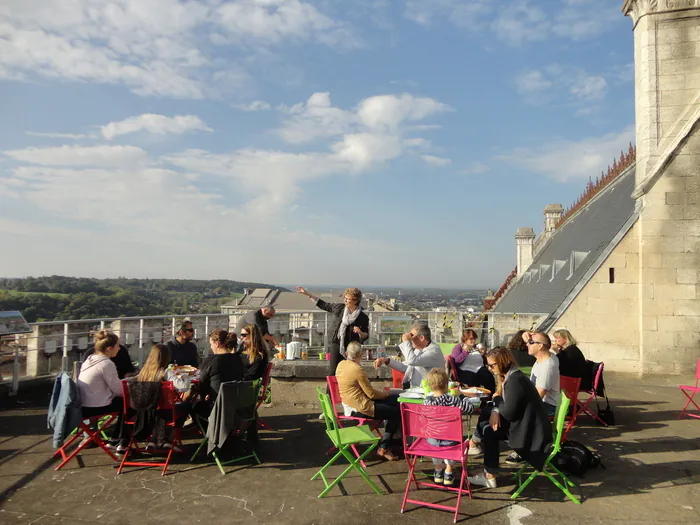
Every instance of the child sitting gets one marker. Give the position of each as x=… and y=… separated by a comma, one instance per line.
x=437, y=379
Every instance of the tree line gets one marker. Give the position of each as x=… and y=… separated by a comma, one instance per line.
x=57, y=297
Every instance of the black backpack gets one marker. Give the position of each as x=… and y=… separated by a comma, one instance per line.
x=575, y=458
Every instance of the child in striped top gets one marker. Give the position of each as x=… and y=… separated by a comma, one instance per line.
x=438, y=382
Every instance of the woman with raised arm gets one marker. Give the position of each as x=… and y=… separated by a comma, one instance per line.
x=347, y=323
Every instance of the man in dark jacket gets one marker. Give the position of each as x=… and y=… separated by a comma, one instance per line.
x=259, y=318
x=182, y=350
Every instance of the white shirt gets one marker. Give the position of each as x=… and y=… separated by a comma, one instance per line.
x=472, y=363
x=98, y=382
x=545, y=375
x=417, y=363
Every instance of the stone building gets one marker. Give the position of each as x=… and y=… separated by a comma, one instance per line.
x=621, y=269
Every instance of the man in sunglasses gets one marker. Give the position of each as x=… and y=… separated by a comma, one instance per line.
x=183, y=351
x=545, y=371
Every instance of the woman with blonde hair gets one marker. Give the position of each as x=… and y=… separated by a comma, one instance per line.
x=572, y=363
x=348, y=322
x=254, y=354
x=156, y=369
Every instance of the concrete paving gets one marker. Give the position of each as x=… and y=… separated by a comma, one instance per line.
x=652, y=473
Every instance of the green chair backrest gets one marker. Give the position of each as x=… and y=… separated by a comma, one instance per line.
x=328, y=413
x=446, y=348
x=560, y=420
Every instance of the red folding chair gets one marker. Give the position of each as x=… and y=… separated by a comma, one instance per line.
x=334, y=391
x=451, y=368
x=263, y=393
x=167, y=402
x=421, y=422
x=396, y=378
x=93, y=432
x=570, y=386
x=689, y=391
x=592, y=396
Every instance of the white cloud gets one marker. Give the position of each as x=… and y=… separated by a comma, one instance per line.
x=566, y=160
x=475, y=169
x=256, y=105
x=589, y=88
x=102, y=156
x=153, y=47
x=436, y=161
x=519, y=21
x=57, y=135
x=532, y=81
x=156, y=124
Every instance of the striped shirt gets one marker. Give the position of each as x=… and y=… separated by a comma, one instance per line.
x=446, y=400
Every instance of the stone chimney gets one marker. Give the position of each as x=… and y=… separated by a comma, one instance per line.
x=552, y=214
x=524, y=239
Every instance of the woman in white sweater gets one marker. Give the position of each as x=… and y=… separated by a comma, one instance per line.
x=98, y=383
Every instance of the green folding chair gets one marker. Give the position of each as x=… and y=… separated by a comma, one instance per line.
x=343, y=439
x=247, y=393
x=549, y=470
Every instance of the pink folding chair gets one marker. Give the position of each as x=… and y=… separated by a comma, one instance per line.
x=689, y=391
x=570, y=386
x=421, y=422
x=592, y=396
x=334, y=391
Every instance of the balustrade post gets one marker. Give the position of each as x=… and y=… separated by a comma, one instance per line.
x=15, y=370
x=141, y=353
x=64, y=358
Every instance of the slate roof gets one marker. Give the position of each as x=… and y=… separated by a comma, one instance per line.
x=574, y=253
x=282, y=300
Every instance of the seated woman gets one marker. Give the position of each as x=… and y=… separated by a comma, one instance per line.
x=98, y=383
x=125, y=368
x=357, y=392
x=154, y=370
x=100, y=387
x=518, y=348
x=572, y=363
x=254, y=353
x=518, y=415
x=220, y=367
x=470, y=362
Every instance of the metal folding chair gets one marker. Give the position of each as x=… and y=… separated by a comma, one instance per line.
x=92, y=429
x=549, y=470
x=585, y=407
x=689, y=391
x=570, y=386
x=343, y=439
x=421, y=422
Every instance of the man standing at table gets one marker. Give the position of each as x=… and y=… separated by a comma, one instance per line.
x=420, y=354
x=183, y=351
x=259, y=318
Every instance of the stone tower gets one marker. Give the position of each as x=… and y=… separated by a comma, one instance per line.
x=667, y=234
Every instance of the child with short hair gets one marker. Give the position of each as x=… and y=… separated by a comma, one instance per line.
x=439, y=383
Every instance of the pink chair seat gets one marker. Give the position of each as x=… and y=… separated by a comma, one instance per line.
x=689, y=392
x=421, y=447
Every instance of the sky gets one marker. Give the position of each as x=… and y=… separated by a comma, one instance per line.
x=363, y=142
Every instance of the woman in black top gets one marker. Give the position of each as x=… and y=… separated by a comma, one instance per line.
x=347, y=323
x=572, y=363
x=518, y=416
x=254, y=354
x=518, y=348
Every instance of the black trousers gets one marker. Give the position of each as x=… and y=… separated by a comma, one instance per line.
x=117, y=405
x=336, y=358
x=490, y=440
x=388, y=410
x=482, y=378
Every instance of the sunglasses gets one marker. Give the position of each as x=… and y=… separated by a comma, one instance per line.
x=189, y=330
x=533, y=342
x=244, y=334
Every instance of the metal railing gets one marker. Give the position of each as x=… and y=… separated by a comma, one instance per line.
x=55, y=345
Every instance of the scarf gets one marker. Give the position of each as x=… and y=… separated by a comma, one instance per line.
x=348, y=319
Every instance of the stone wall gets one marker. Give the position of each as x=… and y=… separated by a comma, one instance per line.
x=604, y=317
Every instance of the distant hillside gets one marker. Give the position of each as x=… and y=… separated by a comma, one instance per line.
x=57, y=298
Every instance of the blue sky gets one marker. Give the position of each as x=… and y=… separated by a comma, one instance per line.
x=366, y=142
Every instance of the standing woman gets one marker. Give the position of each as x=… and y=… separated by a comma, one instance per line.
x=347, y=323
x=254, y=354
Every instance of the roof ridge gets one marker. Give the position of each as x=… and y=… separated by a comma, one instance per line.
x=602, y=182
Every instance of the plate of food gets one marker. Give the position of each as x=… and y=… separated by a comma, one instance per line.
x=474, y=391
x=186, y=370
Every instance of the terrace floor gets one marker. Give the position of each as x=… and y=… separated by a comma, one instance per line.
x=649, y=453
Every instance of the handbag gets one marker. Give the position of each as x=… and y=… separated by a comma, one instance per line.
x=606, y=414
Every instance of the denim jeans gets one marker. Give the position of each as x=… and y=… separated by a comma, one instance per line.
x=442, y=443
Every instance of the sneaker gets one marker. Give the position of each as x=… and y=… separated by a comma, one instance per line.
x=188, y=422
x=150, y=447
x=482, y=481
x=437, y=476
x=321, y=416
x=449, y=478
x=87, y=440
x=175, y=448
x=474, y=451
x=514, y=459
x=121, y=449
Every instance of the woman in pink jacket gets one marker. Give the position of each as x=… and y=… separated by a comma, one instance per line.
x=98, y=383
